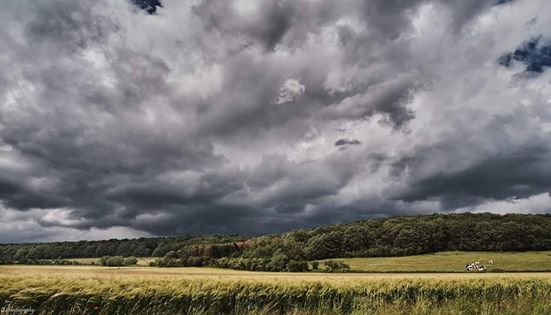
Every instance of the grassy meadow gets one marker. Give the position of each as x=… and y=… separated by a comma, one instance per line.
x=138, y=290
x=454, y=262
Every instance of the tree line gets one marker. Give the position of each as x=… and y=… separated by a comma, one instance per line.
x=392, y=236
x=141, y=247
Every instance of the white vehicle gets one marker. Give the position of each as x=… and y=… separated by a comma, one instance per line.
x=476, y=266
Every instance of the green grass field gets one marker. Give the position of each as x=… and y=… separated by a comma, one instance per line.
x=453, y=262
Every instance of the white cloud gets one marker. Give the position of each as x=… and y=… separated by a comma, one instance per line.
x=290, y=91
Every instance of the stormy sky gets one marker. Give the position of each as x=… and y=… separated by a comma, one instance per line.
x=137, y=118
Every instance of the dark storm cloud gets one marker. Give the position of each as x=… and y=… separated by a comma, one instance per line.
x=389, y=18
x=136, y=117
x=270, y=23
x=16, y=195
x=499, y=2
x=277, y=17
x=347, y=142
x=66, y=23
x=514, y=175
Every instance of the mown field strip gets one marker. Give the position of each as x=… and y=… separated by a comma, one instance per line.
x=454, y=262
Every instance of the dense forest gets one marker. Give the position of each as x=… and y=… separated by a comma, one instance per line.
x=392, y=236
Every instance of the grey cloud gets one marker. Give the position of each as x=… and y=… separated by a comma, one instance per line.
x=515, y=175
x=496, y=165
x=221, y=16
x=390, y=98
x=176, y=117
x=347, y=142
x=271, y=23
x=499, y=2
x=389, y=18
x=16, y=195
x=66, y=24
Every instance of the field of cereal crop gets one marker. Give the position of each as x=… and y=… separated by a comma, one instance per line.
x=138, y=290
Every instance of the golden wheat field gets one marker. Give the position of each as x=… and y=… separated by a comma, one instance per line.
x=143, y=290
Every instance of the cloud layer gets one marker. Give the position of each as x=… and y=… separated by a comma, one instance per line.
x=151, y=118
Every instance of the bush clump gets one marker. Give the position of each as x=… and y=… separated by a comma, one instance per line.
x=336, y=266
x=130, y=260
x=116, y=261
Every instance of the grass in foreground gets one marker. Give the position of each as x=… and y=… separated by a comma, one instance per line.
x=454, y=262
x=94, y=290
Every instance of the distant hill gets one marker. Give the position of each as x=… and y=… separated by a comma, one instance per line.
x=392, y=236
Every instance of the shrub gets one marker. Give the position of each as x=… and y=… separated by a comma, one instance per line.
x=130, y=260
x=336, y=266
x=103, y=260
x=111, y=261
x=115, y=261
x=297, y=265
